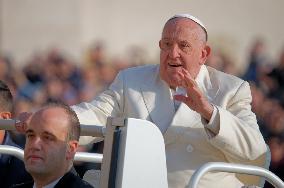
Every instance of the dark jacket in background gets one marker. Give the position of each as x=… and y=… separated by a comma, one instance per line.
x=12, y=169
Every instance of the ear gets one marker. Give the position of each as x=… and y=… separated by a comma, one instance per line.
x=160, y=44
x=72, y=148
x=206, y=51
x=6, y=115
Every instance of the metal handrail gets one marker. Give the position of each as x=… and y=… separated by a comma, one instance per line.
x=12, y=150
x=235, y=168
x=79, y=156
x=86, y=130
x=7, y=124
x=88, y=157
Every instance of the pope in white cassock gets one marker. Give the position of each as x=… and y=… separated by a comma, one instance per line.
x=204, y=114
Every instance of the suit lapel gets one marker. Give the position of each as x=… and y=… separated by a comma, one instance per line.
x=158, y=100
x=66, y=180
x=24, y=185
x=185, y=116
x=207, y=83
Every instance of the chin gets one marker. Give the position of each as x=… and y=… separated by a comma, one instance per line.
x=174, y=82
x=32, y=169
x=176, y=79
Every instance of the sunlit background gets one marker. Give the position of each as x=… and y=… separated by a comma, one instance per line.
x=71, y=50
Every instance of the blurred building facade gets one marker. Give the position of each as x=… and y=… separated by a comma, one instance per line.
x=29, y=26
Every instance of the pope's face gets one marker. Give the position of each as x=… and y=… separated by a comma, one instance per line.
x=183, y=46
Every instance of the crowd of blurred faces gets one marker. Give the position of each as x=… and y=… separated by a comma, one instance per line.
x=53, y=76
x=266, y=78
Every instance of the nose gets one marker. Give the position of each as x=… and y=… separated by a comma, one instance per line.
x=34, y=144
x=174, y=52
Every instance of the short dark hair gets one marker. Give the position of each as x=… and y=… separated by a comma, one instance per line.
x=74, y=124
x=6, y=98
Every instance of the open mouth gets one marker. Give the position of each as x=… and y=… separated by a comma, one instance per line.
x=175, y=65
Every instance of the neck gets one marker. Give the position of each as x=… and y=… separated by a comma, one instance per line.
x=41, y=180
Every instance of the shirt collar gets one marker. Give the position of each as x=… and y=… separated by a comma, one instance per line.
x=203, y=80
x=51, y=185
x=178, y=91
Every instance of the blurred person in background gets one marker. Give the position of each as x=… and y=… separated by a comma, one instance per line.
x=269, y=111
x=276, y=145
x=258, y=62
x=276, y=77
x=6, y=68
x=12, y=170
x=106, y=74
x=96, y=56
x=220, y=61
x=91, y=85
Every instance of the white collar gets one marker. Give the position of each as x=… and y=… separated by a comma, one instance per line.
x=178, y=91
x=203, y=80
x=51, y=185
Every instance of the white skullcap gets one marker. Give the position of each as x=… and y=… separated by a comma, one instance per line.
x=196, y=20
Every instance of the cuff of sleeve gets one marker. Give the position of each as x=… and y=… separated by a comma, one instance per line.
x=214, y=124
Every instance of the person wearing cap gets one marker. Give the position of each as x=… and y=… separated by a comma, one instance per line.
x=204, y=114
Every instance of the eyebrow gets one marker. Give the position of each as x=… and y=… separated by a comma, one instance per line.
x=44, y=133
x=48, y=133
x=185, y=41
x=179, y=40
x=166, y=38
x=29, y=131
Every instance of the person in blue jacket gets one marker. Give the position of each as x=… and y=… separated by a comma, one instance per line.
x=12, y=169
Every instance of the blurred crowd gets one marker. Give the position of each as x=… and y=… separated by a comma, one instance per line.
x=267, y=83
x=266, y=79
x=53, y=76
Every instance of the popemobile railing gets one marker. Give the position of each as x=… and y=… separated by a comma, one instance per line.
x=235, y=168
x=124, y=145
x=128, y=156
x=86, y=130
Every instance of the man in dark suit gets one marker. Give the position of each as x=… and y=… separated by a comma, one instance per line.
x=52, y=135
x=12, y=170
x=71, y=180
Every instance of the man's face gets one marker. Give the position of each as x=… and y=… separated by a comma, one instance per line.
x=46, y=149
x=183, y=46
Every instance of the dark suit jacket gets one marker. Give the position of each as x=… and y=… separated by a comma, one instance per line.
x=71, y=180
x=12, y=169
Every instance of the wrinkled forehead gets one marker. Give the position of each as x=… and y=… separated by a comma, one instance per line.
x=183, y=28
